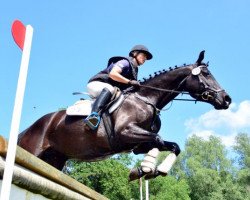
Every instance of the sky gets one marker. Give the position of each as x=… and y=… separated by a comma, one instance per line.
x=73, y=40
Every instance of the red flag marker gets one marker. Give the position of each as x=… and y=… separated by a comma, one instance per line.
x=18, y=31
x=23, y=37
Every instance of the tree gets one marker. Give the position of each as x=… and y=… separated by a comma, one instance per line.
x=169, y=188
x=202, y=172
x=208, y=171
x=242, y=148
x=209, y=154
x=108, y=177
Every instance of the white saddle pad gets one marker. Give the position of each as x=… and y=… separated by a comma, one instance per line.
x=83, y=107
x=80, y=108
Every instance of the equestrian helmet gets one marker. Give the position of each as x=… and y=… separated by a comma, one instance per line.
x=141, y=48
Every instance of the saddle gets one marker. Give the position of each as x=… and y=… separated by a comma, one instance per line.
x=83, y=107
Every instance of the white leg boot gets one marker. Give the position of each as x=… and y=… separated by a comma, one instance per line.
x=167, y=164
x=149, y=162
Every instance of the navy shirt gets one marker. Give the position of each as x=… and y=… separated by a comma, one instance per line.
x=125, y=64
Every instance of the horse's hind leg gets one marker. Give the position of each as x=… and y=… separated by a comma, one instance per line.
x=54, y=158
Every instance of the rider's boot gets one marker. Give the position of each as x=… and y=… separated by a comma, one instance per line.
x=93, y=120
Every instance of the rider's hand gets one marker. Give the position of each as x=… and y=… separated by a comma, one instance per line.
x=134, y=83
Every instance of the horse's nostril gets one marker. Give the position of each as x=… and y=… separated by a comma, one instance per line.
x=228, y=99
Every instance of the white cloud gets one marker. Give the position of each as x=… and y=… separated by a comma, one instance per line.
x=228, y=140
x=222, y=123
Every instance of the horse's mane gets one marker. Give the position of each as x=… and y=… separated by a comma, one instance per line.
x=160, y=72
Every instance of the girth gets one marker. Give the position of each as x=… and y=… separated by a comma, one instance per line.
x=108, y=122
x=109, y=128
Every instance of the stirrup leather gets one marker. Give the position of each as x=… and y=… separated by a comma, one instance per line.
x=93, y=120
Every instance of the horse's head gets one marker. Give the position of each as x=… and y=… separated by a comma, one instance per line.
x=202, y=86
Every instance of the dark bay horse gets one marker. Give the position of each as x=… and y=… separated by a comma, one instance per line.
x=56, y=137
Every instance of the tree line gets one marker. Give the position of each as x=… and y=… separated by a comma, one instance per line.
x=205, y=170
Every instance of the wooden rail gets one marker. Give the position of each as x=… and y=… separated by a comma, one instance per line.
x=36, y=165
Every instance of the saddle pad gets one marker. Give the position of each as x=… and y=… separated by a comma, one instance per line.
x=80, y=108
x=83, y=107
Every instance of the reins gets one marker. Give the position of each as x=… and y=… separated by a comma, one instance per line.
x=172, y=91
x=163, y=90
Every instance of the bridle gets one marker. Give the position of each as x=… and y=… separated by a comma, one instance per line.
x=204, y=96
x=210, y=92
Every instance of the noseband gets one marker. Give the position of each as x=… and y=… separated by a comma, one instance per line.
x=210, y=93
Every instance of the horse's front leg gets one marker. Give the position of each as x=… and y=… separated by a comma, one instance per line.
x=148, y=165
x=135, y=134
x=167, y=164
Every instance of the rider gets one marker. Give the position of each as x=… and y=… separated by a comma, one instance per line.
x=120, y=72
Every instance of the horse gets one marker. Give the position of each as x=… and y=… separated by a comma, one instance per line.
x=57, y=137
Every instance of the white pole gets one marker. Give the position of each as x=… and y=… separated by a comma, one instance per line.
x=10, y=158
x=141, y=197
x=147, y=192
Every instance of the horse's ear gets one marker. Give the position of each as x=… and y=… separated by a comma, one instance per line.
x=201, y=57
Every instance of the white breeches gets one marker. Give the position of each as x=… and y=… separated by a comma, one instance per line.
x=94, y=88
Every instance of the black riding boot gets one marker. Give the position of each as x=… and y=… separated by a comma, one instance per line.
x=93, y=120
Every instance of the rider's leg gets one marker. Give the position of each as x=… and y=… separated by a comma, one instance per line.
x=94, y=118
x=95, y=88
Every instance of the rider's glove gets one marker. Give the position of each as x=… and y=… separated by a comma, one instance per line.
x=134, y=83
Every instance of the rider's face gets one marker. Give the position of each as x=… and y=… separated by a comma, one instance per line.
x=141, y=58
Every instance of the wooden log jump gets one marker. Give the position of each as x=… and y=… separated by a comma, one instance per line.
x=37, y=171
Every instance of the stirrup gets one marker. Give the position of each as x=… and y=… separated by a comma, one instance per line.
x=93, y=120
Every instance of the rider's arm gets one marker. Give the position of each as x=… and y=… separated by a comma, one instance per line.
x=116, y=71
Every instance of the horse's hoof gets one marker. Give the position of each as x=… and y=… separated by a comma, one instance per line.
x=135, y=173
x=154, y=174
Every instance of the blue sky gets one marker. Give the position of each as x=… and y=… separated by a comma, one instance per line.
x=74, y=39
